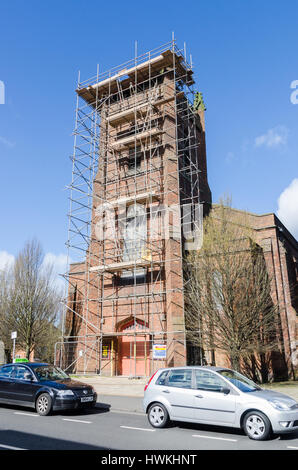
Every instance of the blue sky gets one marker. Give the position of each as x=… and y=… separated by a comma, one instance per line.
x=245, y=59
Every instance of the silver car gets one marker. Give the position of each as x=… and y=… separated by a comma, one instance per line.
x=218, y=396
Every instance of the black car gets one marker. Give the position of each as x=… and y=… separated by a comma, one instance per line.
x=44, y=387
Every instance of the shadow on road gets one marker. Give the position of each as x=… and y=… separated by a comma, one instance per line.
x=30, y=441
x=289, y=436
x=100, y=408
x=229, y=431
x=208, y=428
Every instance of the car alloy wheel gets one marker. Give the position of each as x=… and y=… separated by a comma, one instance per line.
x=257, y=426
x=158, y=416
x=43, y=404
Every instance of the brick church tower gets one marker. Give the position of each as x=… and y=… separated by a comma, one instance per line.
x=139, y=191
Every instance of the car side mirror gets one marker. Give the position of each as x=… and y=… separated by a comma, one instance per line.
x=225, y=390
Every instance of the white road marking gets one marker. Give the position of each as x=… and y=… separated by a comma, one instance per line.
x=138, y=429
x=127, y=412
x=292, y=447
x=26, y=414
x=77, y=421
x=11, y=447
x=217, y=438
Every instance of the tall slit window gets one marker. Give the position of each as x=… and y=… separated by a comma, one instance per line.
x=134, y=159
x=135, y=233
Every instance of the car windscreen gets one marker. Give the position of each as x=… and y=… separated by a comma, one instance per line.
x=240, y=381
x=49, y=373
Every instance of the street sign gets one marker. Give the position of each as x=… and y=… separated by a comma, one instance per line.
x=14, y=335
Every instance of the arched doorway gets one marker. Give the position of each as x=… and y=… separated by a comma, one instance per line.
x=134, y=348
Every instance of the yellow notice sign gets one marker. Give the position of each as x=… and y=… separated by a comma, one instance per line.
x=105, y=351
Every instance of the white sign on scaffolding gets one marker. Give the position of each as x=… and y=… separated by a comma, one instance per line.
x=159, y=351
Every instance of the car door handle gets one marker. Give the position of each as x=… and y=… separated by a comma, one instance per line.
x=199, y=396
x=166, y=391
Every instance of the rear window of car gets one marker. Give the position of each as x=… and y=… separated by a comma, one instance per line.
x=162, y=378
x=20, y=372
x=6, y=371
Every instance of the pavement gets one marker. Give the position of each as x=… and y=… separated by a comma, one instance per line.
x=123, y=394
x=126, y=394
x=289, y=388
x=120, y=386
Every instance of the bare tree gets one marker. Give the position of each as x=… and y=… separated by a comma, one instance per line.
x=29, y=299
x=228, y=303
x=5, y=292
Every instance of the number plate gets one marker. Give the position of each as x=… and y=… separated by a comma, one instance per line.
x=84, y=399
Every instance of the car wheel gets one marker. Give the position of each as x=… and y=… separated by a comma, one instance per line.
x=158, y=416
x=43, y=404
x=257, y=426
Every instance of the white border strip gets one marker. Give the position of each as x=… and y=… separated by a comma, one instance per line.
x=137, y=429
x=217, y=438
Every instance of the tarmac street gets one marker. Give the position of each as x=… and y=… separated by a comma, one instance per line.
x=106, y=428
x=118, y=423
x=122, y=403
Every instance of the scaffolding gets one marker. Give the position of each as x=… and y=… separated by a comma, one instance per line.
x=137, y=196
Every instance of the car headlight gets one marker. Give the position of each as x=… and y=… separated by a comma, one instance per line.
x=65, y=393
x=279, y=405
